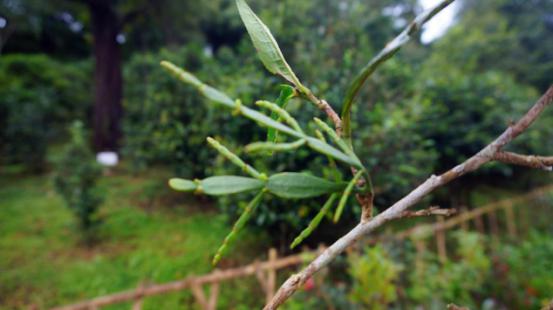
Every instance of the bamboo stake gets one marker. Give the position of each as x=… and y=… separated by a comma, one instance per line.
x=271, y=276
x=440, y=241
x=510, y=217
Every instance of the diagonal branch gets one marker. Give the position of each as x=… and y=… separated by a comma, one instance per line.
x=532, y=161
x=486, y=155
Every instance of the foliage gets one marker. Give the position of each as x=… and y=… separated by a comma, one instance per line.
x=462, y=113
x=432, y=282
x=374, y=276
x=39, y=97
x=164, y=123
x=76, y=175
x=529, y=271
x=507, y=35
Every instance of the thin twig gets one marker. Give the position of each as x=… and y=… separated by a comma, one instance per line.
x=532, y=161
x=329, y=111
x=428, y=212
x=484, y=156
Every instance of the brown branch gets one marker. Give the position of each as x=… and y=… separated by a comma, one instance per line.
x=532, y=161
x=428, y=212
x=324, y=106
x=484, y=156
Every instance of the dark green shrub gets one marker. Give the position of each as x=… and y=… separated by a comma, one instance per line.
x=76, y=175
x=38, y=97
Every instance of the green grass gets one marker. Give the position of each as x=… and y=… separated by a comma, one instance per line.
x=44, y=262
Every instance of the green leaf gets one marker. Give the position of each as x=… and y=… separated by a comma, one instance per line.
x=229, y=184
x=181, y=74
x=264, y=120
x=237, y=227
x=273, y=147
x=208, y=91
x=286, y=93
x=300, y=185
x=217, y=96
x=182, y=185
x=315, y=222
x=235, y=159
x=328, y=150
x=266, y=45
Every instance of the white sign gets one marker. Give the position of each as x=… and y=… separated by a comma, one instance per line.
x=108, y=159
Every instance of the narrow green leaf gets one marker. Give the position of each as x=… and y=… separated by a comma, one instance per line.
x=235, y=159
x=283, y=114
x=345, y=196
x=217, y=96
x=328, y=150
x=314, y=222
x=229, y=184
x=208, y=91
x=273, y=147
x=266, y=45
x=331, y=161
x=300, y=185
x=237, y=227
x=286, y=93
x=333, y=135
x=264, y=120
x=181, y=74
x=182, y=185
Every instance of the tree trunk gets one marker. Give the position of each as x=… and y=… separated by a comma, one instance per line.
x=108, y=90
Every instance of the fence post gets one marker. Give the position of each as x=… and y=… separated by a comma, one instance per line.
x=440, y=241
x=479, y=223
x=199, y=295
x=213, y=295
x=261, y=277
x=510, y=216
x=271, y=275
x=494, y=228
x=419, y=259
x=137, y=304
x=464, y=224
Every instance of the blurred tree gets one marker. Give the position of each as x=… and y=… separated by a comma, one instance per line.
x=107, y=21
x=507, y=35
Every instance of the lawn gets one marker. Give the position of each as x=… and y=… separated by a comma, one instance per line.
x=44, y=262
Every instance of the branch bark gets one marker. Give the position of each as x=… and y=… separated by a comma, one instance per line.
x=532, y=161
x=486, y=155
x=428, y=212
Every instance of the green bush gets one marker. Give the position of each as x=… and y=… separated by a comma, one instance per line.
x=438, y=284
x=163, y=123
x=374, y=276
x=39, y=96
x=76, y=175
x=529, y=271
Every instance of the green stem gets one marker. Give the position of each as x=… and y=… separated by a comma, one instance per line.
x=314, y=222
x=345, y=195
x=389, y=50
x=235, y=159
x=238, y=226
